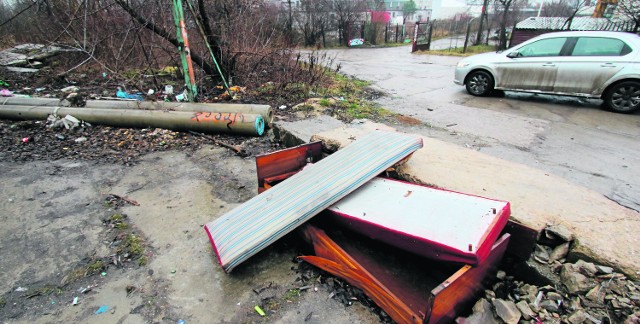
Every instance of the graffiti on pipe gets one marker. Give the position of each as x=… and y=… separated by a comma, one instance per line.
x=209, y=117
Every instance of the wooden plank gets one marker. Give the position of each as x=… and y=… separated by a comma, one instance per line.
x=286, y=161
x=407, y=287
x=252, y=226
x=456, y=294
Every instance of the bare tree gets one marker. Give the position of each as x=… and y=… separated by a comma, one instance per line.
x=576, y=6
x=504, y=7
x=313, y=20
x=631, y=10
x=556, y=8
x=409, y=8
x=348, y=12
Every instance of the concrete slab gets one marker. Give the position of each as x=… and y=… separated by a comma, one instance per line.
x=298, y=132
x=606, y=232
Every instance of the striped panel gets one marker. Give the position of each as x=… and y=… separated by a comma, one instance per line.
x=250, y=227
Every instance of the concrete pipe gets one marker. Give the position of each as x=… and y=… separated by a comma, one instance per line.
x=264, y=110
x=205, y=122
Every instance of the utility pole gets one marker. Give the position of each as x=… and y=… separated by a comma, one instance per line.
x=483, y=16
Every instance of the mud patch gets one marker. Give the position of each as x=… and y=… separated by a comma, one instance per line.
x=409, y=121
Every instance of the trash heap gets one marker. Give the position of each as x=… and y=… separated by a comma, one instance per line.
x=401, y=243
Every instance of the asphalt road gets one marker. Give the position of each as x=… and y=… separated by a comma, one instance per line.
x=569, y=137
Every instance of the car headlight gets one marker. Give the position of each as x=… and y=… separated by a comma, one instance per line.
x=462, y=64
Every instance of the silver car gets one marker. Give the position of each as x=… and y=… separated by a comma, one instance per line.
x=593, y=64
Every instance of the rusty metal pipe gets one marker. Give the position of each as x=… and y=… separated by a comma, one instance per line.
x=264, y=110
x=205, y=122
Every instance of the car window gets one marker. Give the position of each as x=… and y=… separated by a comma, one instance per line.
x=543, y=47
x=600, y=46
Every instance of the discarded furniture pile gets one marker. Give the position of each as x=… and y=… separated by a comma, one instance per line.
x=422, y=254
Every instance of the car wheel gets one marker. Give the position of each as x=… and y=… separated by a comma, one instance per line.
x=479, y=83
x=624, y=97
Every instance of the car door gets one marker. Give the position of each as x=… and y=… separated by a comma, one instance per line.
x=592, y=62
x=532, y=66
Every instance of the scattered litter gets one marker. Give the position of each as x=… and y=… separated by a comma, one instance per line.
x=181, y=321
x=27, y=139
x=173, y=271
x=308, y=317
x=181, y=97
x=150, y=92
x=283, y=107
x=75, y=301
x=80, y=139
x=60, y=137
x=6, y=93
x=68, y=122
x=102, y=309
x=125, y=199
x=260, y=311
x=305, y=288
x=85, y=290
x=237, y=89
x=40, y=89
x=70, y=89
x=262, y=288
x=3, y=84
x=125, y=95
x=21, y=289
x=168, y=89
x=451, y=125
x=104, y=274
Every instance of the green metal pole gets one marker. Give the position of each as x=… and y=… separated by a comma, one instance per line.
x=185, y=54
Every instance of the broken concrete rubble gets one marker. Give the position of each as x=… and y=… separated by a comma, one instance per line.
x=608, y=302
x=507, y=310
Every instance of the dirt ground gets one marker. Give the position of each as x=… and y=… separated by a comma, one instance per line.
x=57, y=221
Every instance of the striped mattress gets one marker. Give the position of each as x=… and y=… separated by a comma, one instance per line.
x=252, y=226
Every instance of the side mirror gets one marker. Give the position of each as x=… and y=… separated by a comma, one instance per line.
x=513, y=54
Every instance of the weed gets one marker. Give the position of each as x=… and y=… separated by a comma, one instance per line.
x=95, y=267
x=117, y=217
x=471, y=50
x=133, y=244
x=46, y=290
x=324, y=102
x=291, y=295
x=121, y=226
x=142, y=261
